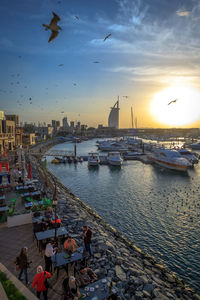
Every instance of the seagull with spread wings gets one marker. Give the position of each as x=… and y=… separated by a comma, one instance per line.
x=96, y=62
x=53, y=27
x=107, y=37
x=173, y=101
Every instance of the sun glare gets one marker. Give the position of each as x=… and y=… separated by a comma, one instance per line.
x=184, y=108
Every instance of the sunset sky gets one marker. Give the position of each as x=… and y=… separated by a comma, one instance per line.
x=152, y=56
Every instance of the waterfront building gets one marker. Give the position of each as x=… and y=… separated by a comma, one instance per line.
x=7, y=135
x=1, y=115
x=45, y=131
x=14, y=118
x=113, y=119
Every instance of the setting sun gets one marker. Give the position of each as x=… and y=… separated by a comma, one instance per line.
x=183, y=111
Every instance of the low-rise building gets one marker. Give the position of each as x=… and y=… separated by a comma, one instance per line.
x=7, y=135
x=28, y=139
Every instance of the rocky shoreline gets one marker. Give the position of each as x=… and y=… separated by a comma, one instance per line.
x=135, y=274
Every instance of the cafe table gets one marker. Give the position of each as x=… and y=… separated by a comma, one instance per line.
x=48, y=234
x=98, y=290
x=63, y=259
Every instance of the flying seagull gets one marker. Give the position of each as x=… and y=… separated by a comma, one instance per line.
x=107, y=37
x=173, y=101
x=62, y=112
x=60, y=65
x=53, y=27
x=74, y=84
x=77, y=17
x=96, y=62
x=125, y=97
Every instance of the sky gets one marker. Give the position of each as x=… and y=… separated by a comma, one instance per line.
x=152, y=56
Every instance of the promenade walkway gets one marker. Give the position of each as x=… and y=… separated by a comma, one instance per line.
x=12, y=240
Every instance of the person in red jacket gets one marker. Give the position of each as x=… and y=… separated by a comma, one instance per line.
x=39, y=280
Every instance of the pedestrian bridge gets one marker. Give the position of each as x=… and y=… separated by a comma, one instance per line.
x=58, y=153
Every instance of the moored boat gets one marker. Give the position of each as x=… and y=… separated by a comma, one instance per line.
x=170, y=159
x=114, y=158
x=93, y=159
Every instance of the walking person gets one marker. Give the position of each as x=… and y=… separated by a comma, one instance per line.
x=49, y=252
x=87, y=236
x=39, y=282
x=23, y=263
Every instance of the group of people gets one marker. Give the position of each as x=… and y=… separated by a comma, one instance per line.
x=70, y=284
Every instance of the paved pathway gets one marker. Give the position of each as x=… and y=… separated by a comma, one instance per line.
x=12, y=240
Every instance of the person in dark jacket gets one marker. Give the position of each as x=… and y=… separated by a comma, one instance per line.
x=23, y=263
x=87, y=236
x=71, y=288
x=39, y=282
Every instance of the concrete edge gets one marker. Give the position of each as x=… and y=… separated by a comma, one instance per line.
x=20, y=286
x=3, y=295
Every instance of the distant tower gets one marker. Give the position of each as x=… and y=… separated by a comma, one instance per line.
x=65, y=123
x=113, y=119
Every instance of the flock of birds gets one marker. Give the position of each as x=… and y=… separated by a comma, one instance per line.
x=53, y=26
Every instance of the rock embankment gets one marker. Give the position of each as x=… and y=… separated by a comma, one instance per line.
x=134, y=274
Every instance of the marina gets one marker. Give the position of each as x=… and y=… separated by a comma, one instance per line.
x=156, y=208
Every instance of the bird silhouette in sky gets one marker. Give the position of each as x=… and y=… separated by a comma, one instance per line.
x=53, y=27
x=60, y=65
x=30, y=99
x=125, y=97
x=173, y=101
x=96, y=62
x=62, y=112
x=77, y=17
x=74, y=84
x=107, y=37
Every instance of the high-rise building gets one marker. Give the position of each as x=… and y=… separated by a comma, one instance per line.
x=72, y=124
x=113, y=119
x=65, y=123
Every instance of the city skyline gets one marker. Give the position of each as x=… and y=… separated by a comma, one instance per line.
x=152, y=48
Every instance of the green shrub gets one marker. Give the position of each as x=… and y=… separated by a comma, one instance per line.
x=11, y=291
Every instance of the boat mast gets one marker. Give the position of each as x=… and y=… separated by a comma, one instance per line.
x=132, y=117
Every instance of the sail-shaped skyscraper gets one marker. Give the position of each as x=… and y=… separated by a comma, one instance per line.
x=113, y=119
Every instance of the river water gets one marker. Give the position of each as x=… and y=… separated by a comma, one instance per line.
x=157, y=209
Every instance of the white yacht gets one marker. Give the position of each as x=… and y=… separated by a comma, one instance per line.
x=113, y=146
x=114, y=158
x=93, y=159
x=188, y=155
x=195, y=146
x=170, y=159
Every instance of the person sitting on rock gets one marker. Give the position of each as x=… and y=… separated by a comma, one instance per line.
x=70, y=245
x=71, y=289
x=86, y=276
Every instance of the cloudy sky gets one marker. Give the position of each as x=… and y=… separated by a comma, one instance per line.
x=152, y=56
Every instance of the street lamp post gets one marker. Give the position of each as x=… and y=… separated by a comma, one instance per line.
x=55, y=203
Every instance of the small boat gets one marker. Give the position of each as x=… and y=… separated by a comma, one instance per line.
x=132, y=155
x=170, y=159
x=70, y=159
x=195, y=146
x=114, y=158
x=55, y=161
x=93, y=159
